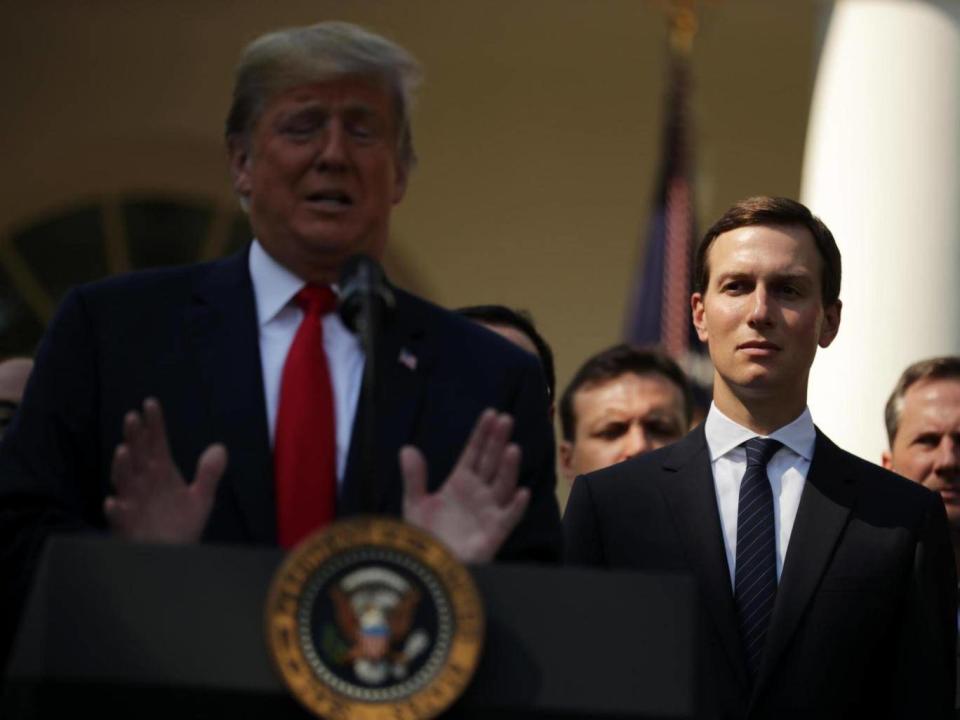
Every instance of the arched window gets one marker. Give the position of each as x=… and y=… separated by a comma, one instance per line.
x=42, y=260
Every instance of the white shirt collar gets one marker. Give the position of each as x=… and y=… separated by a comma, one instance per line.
x=723, y=434
x=273, y=284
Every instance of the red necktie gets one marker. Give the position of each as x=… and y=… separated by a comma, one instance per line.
x=304, y=454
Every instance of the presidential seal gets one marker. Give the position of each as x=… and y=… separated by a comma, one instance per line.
x=373, y=618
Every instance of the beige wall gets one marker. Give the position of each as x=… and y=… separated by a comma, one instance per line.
x=538, y=127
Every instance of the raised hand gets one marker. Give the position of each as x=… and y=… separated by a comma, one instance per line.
x=478, y=506
x=153, y=503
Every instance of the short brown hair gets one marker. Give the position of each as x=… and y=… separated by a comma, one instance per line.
x=612, y=363
x=765, y=210
x=937, y=368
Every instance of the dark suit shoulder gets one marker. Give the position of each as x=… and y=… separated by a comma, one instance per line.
x=461, y=352
x=894, y=490
x=881, y=494
x=618, y=516
x=155, y=284
x=144, y=312
x=636, y=475
x=877, y=482
x=462, y=337
x=471, y=369
x=611, y=479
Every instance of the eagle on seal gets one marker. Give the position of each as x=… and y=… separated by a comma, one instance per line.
x=376, y=626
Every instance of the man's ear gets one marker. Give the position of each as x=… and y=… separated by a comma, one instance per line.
x=886, y=460
x=238, y=152
x=831, y=323
x=699, y=317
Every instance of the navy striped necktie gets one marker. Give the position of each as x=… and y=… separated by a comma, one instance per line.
x=755, y=586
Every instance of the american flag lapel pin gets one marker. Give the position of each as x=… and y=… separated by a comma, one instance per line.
x=407, y=359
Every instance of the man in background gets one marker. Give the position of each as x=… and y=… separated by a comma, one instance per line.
x=14, y=373
x=923, y=428
x=518, y=327
x=622, y=402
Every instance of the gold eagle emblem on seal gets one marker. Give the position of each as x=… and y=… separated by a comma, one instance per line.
x=371, y=619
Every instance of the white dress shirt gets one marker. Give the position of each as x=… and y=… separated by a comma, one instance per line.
x=278, y=318
x=787, y=471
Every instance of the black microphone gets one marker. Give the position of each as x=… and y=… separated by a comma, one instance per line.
x=365, y=295
x=366, y=302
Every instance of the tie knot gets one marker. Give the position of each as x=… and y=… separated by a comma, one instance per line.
x=316, y=300
x=760, y=450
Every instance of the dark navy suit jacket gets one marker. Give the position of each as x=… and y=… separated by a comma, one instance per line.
x=189, y=337
x=865, y=615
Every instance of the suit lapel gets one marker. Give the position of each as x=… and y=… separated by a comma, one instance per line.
x=825, y=504
x=222, y=328
x=687, y=485
x=405, y=357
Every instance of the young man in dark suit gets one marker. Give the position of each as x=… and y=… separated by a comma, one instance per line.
x=827, y=583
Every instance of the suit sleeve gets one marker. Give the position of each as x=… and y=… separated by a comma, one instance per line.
x=926, y=674
x=581, y=530
x=538, y=537
x=49, y=472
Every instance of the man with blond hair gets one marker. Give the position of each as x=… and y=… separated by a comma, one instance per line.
x=237, y=374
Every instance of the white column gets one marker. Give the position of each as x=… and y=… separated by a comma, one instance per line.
x=882, y=169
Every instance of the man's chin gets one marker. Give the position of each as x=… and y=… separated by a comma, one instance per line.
x=339, y=238
x=328, y=235
x=951, y=501
x=953, y=519
x=758, y=380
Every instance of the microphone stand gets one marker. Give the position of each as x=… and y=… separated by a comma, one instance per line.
x=368, y=323
x=364, y=299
